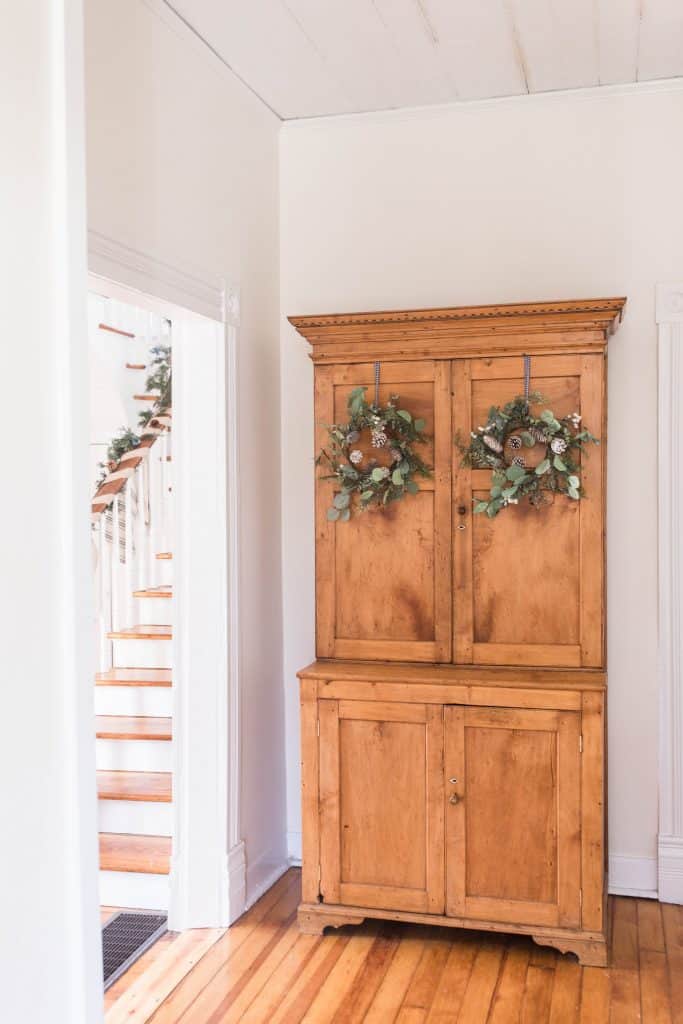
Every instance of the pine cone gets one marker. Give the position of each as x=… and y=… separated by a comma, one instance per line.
x=492, y=443
x=558, y=445
x=379, y=439
x=514, y=442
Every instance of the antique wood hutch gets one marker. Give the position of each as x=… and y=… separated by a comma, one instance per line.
x=453, y=726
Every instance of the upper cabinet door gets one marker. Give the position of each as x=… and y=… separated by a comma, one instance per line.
x=529, y=583
x=383, y=579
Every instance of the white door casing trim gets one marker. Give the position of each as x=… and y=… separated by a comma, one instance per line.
x=208, y=864
x=669, y=309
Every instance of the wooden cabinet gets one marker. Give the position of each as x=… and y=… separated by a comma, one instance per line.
x=453, y=727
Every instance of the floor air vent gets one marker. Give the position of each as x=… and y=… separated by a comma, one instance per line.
x=125, y=937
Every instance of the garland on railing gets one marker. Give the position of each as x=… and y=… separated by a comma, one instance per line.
x=127, y=440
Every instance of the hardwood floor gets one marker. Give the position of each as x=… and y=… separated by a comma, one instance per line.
x=263, y=969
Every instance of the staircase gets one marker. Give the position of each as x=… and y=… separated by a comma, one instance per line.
x=132, y=530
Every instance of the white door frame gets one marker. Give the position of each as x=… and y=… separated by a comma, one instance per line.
x=669, y=307
x=208, y=869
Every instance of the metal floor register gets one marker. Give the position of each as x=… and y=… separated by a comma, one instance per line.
x=125, y=937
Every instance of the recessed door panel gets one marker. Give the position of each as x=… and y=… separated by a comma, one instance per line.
x=384, y=577
x=381, y=821
x=512, y=780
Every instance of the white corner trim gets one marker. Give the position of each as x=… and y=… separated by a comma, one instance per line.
x=198, y=291
x=294, y=848
x=237, y=881
x=670, y=490
x=632, y=876
x=262, y=875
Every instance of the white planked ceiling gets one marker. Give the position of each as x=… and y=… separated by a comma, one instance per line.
x=306, y=58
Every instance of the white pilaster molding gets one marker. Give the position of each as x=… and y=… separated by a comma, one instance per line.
x=670, y=845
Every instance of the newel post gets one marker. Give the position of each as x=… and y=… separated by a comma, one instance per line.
x=670, y=488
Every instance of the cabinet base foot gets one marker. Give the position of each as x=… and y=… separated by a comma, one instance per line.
x=590, y=952
x=315, y=922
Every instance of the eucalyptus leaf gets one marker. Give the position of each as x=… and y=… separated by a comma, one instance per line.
x=496, y=491
x=527, y=439
x=481, y=506
x=542, y=467
x=419, y=425
x=573, y=493
x=345, y=515
x=515, y=472
x=574, y=482
x=397, y=478
x=333, y=514
x=377, y=475
x=405, y=415
x=559, y=464
x=366, y=495
x=412, y=487
x=548, y=416
x=342, y=500
x=508, y=492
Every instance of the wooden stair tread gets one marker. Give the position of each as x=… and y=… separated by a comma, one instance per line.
x=149, y=787
x=163, y=591
x=165, y=554
x=146, y=398
x=134, y=677
x=136, y=366
x=141, y=632
x=132, y=727
x=147, y=854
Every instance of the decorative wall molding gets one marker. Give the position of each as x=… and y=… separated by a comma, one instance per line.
x=632, y=876
x=200, y=292
x=670, y=852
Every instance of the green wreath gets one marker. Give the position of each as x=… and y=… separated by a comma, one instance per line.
x=393, y=432
x=531, y=457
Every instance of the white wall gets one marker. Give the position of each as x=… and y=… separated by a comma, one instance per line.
x=562, y=196
x=183, y=166
x=50, y=962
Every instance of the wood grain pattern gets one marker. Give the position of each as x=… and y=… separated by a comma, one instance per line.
x=360, y=820
x=132, y=727
x=145, y=854
x=399, y=972
x=518, y=790
x=150, y=787
x=134, y=677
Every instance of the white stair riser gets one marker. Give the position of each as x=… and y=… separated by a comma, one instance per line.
x=155, y=611
x=133, y=817
x=142, y=653
x=163, y=572
x=134, y=700
x=134, y=890
x=134, y=755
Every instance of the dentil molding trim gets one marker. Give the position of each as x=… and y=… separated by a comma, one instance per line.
x=669, y=310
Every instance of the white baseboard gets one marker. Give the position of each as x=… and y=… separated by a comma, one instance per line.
x=633, y=876
x=671, y=869
x=263, y=874
x=294, y=848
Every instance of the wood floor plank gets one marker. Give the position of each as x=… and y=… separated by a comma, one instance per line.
x=391, y=992
x=182, y=997
x=280, y=983
x=654, y=987
x=624, y=1003
x=142, y=998
x=124, y=983
x=237, y=1001
x=672, y=920
x=455, y=976
x=368, y=980
x=650, y=929
x=538, y=993
x=340, y=979
x=481, y=984
x=425, y=980
x=411, y=1015
x=594, y=996
x=450, y=993
x=565, y=1002
x=507, y=1001
x=310, y=980
x=216, y=998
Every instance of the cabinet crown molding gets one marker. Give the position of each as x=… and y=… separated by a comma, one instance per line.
x=576, y=324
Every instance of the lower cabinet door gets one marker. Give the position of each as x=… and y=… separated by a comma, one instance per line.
x=382, y=805
x=513, y=839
